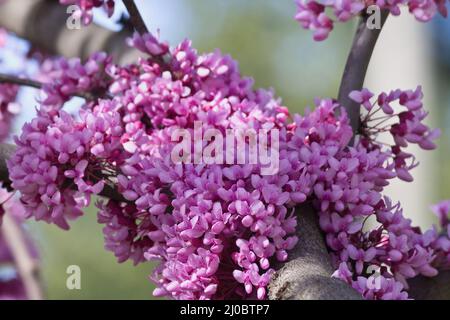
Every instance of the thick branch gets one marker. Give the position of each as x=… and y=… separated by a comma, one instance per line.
x=44, y=24
x=422, y=288
x=308, y=273
x=356, y=67
x=27, y=266
x=307, y=276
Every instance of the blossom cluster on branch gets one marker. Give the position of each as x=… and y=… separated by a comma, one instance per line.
x=351, y=200
x=218, y=230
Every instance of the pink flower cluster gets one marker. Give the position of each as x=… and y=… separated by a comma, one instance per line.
x=217, y=231
x=207, y=225
x=66, y=78
x=86, y=7
x=405, y=126
x=378, y=262
x=352, y=194
x=314, y=15
x=46, y=167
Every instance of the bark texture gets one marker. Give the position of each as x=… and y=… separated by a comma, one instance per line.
x=307, y=276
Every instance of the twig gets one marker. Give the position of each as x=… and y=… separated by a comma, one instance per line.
x=7, y=78
x=135, y=17
x=356, y=67
x=27, y=266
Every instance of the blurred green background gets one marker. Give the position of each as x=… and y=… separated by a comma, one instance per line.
x=101, y=276
x=271, y=47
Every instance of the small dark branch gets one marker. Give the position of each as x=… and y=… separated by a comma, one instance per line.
x=6, y=78
x=135, y=16
x=27, y=266
x=356, y=67
x=7, y=150
x=307, y=275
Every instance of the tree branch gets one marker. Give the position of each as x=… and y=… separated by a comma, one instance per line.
x=307, y=276
x=44, y=24
x=135, y=17
x=308, y=273
x=6, y=78
x=27, y=266
x=356, y=67
x=422, y=288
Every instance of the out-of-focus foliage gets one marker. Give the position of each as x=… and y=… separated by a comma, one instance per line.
x=101, y=276
x=271, y=47
x=440, y=32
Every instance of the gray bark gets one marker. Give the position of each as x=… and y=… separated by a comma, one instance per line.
x=307, y=275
